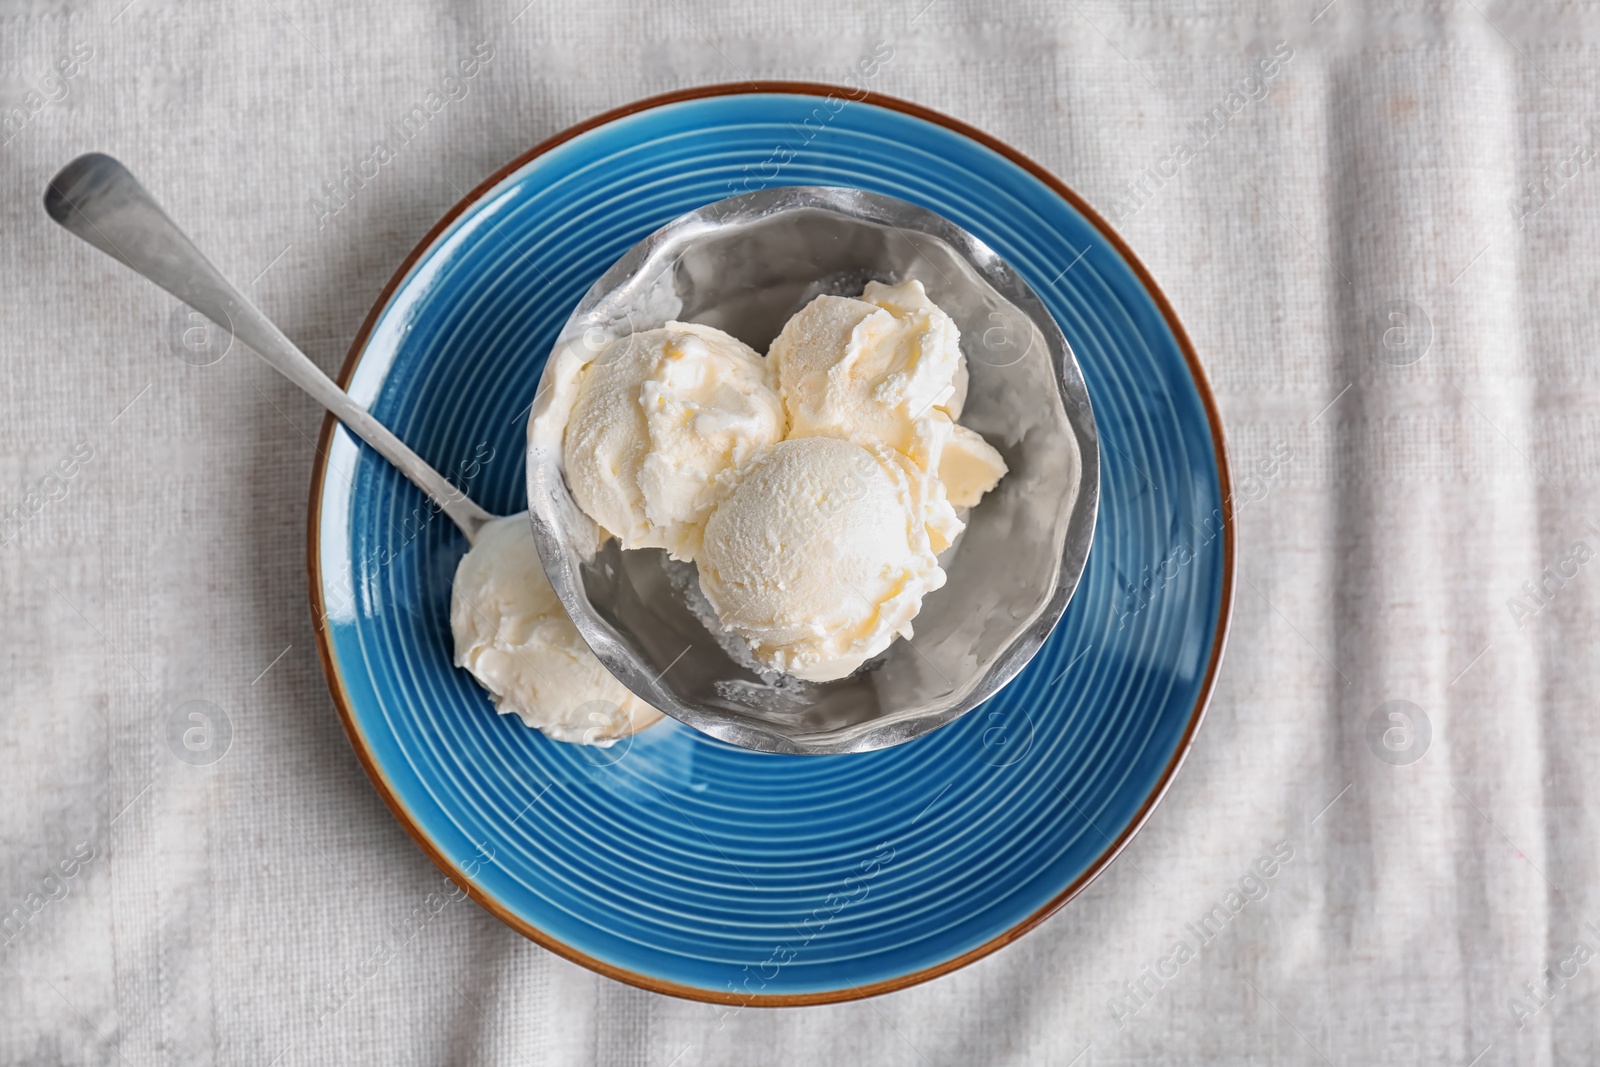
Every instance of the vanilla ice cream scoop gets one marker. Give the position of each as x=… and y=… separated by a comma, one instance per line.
x=656, y=420
x=888, y=368
x=867, y=368
x=514, y=636
x=818, y=557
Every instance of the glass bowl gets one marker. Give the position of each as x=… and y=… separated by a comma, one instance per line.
x=744, y=265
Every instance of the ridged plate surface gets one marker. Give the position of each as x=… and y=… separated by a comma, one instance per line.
x=680, y=863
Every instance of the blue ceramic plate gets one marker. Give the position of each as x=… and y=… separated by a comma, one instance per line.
x=678, y=863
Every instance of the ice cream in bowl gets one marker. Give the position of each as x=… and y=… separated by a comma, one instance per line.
x=812, y=471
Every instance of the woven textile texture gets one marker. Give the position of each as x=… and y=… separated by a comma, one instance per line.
x=1386, y=254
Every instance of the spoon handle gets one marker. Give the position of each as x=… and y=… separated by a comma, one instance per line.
x=96, y=198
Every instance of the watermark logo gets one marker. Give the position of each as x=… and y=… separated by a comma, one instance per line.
x=1538, y=194
x=1008, y=338
x=1252, y=888
x=340, y=599
x=864, y=468
x=853, y=889
x=199, y=733
x=340, y=991
x=1152, y=579
x=398, y=133
x=52, y=89
x=52, y=487
x=759, y=175
x=1541, y=591
x=1007, y=736
x=1399, y=733
x=604, y=345
x=1137, y=193
x=51, y=889
x=1402, y=333
x=197, y=340
x=601, y=719
x=1254, y=483
x=1540, y=994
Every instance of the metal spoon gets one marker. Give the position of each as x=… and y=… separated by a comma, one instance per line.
x=97, y=199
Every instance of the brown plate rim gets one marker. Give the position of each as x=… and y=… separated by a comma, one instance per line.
x=1224, y=615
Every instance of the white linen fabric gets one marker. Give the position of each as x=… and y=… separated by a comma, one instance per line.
x=1385, y=251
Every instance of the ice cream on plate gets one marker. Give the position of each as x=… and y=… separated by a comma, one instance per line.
x=514, y=636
